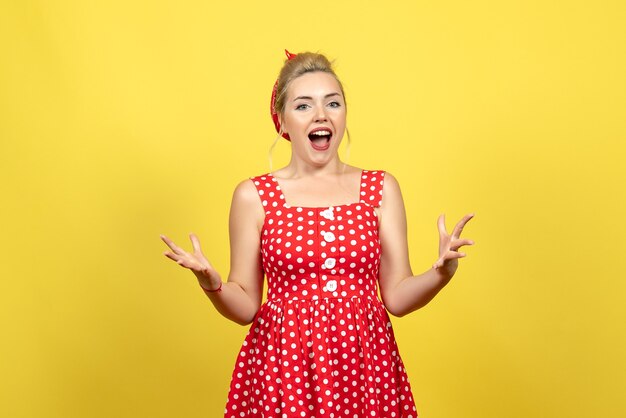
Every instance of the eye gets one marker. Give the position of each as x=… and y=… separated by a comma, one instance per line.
x=334, y=104
x=302, y=106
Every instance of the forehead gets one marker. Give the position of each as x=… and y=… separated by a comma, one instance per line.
x=313, y=84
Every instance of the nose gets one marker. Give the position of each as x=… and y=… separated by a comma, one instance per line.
x=320, y=114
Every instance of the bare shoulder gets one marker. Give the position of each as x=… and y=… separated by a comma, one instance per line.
x=246, y=203
x=391, y=189
x=246, y=192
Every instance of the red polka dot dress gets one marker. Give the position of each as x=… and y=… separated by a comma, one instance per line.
x=322, y=344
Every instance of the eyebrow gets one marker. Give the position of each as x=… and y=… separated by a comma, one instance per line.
x=310, y=98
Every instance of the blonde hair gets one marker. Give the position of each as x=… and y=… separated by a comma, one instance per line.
x=302, y=63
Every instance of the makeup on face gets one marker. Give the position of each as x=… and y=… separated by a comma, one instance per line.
x=316, y=111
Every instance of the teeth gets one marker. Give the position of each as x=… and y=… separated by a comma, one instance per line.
x=320, y=133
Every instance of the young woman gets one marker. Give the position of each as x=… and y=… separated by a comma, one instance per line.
x=328, y=237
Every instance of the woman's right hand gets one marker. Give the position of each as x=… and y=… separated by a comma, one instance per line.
x=208, y=277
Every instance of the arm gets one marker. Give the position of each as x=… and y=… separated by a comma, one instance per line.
x=401, y=291
x=239, y=298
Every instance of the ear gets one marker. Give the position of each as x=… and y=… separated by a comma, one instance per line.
x=282, y=125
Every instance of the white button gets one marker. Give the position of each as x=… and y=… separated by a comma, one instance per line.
x=330, y=263
x=328, y=214
x=329, y=237
x=331, y=285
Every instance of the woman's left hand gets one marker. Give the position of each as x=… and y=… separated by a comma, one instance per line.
x=449, y=246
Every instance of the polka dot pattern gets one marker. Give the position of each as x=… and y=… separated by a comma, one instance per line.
x=322, y=344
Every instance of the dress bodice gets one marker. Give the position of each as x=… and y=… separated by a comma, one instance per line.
x=321, y=252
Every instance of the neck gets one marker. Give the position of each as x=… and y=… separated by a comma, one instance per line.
x=298, y=169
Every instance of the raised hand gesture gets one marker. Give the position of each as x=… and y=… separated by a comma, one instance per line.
x=208, y=277
x=449, y=246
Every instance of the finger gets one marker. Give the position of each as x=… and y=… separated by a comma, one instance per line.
x=195, y=242
x=185, y=263
x=459, y=243
x=441, y=224
x=189, y=264
x=458, y=228
x=171, y=256
x=438, y=263
x=172, y=246
x=198, y=250
x=454, y=254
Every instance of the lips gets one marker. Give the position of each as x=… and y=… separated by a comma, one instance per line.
x=320, y=138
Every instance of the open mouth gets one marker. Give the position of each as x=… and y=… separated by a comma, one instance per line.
x=320, y=139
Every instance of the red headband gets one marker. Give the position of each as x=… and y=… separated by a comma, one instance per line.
x=273, y=101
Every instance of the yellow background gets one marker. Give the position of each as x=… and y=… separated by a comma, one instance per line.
x=123, y=120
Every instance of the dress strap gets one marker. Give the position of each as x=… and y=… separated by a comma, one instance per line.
x=269, y=191
x=372, y=187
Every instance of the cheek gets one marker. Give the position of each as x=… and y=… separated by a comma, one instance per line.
x=340, y=118
x=292, y=120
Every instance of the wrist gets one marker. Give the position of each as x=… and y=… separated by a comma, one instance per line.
x=211, y=289
x=442, y=275
x=208, y=281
